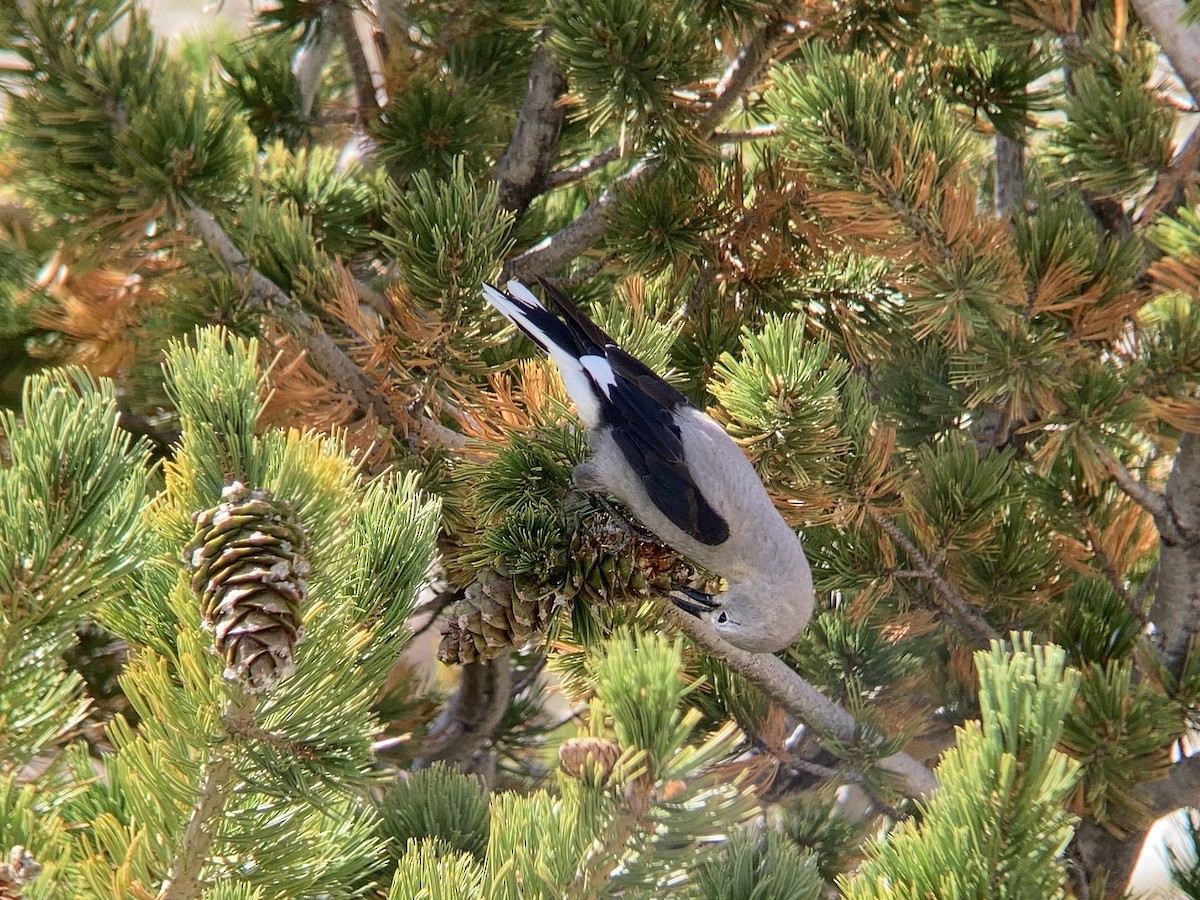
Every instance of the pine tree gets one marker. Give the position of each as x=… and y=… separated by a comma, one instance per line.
x=936, y=266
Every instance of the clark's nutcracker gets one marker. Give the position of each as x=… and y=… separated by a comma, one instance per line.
x=678, y=472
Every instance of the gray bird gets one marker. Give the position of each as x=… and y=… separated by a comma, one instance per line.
x=678, y=472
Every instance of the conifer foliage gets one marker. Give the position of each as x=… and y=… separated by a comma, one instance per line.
x=935, y=266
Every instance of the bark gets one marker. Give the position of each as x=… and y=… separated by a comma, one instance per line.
x=1180, y=43
x=521, y=171
x=469, y=720
x=1010, y=176
x=1176, y=608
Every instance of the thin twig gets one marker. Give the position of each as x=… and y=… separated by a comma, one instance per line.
x=757, y=133
x=529, y=677
x=949, y=598
x=1141, y=494
x=1110, y=572
x=374, y=300
x=566, y=281
x=583, y=168
x=772, y=675
x=1146, y=587
x=435, y=607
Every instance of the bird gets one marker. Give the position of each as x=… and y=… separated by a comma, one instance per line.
x=677, y=471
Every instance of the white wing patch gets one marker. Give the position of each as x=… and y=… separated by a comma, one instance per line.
x=601, y=371
x=579, y=386
x=521, y=292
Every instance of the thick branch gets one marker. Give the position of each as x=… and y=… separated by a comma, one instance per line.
x=356, y=57
x=948, y=598
x=1179, y=789
x=1176, y=608
x=1180, y=43
x=316, y=342
x=470, y=718
x=521, y=171
x=1010, y=176
x=1104, y=854
x=772, y=675
x=580, y=235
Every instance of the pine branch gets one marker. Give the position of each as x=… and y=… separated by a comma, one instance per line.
x=183, y=881
x=356, y=58
x=468, y=721
x=569, y=242
x=580, y=235
x=772, y=675
x=1176, y=608
x=1179, y=789
x=521, y=171
x=1141, y=494
x=757, y=133
x=1180, y=43
x=970, y=622
x=374, y=300
x=583, y=168
x=749, y=63
x=1110, y=572
x=316, y=342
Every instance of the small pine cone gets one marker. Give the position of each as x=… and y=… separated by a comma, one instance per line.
x=589, y=757
x=612, y=560
x=496, y=615
x=248, y=567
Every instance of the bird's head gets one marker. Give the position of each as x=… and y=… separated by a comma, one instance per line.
x=741, y=621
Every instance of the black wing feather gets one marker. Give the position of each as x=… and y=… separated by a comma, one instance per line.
x=640, y=413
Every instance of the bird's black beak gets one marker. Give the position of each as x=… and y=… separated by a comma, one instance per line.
x=692, y=601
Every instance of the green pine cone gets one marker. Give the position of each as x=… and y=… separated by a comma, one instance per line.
x=248, y=568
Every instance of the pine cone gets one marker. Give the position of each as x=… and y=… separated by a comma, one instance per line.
x=613, y=560
x=498, y=614
x=249, y=568
x=574, y=755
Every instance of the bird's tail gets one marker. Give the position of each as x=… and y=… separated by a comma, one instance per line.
x=525, y=311
x=566, y=341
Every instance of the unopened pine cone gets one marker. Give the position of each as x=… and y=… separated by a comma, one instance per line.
x=249, y=570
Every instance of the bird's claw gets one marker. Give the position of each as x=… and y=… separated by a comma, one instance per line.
x=693, y=602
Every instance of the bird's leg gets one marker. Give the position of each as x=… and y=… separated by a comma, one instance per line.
x=696, y=603
x=585, y=480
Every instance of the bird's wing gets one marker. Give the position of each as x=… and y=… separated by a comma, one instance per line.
x=616, y=391
x=640, y=410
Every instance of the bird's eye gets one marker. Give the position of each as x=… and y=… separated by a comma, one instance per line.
x=722, y=618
